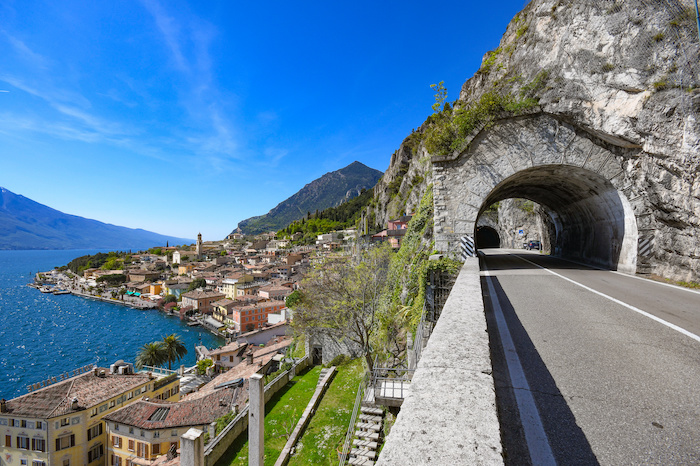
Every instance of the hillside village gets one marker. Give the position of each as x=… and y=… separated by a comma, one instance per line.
x=124, y=415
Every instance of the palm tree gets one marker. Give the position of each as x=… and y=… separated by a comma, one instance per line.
x=151, y=354
x=173, y=349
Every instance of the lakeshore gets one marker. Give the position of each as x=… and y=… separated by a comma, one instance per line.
x=45, y=335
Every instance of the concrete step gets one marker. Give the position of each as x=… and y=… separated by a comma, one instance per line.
x=361, y=461
x=370, y=410
x=371, y=454
x=367, y=435
x=368, y=426
x=365, y=444
x=370, y=418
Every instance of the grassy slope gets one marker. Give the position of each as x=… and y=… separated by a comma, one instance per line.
x=282, y=413
x=326, y=431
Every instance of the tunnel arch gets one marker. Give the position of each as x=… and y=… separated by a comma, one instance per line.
x=580, y=179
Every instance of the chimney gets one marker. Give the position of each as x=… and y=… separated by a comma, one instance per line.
x=74, y=404
x=3, y=405
x=249, y=357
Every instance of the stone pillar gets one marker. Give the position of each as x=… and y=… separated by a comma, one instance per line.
x=212, y=431
x=256, y=420
x=192, y=448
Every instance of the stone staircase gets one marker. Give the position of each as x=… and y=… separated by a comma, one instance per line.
x=322, y=375
x=367, y=436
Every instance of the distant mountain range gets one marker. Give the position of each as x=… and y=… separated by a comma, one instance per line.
x=329, y=190
x=26, y=224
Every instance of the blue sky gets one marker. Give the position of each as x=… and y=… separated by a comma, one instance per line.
x=181, y=117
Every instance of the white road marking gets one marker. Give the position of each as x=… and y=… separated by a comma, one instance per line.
x=535, y=436
x=617, y=301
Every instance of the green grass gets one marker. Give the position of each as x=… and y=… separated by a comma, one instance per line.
x=282, y=413
x=326, y=431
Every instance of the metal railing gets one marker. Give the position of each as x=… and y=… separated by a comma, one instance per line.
x=344, y=453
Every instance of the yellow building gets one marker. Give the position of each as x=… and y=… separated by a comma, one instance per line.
x=142, y=431
x=61, y=424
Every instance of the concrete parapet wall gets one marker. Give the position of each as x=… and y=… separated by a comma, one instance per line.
x=449, y=415
x=219, y=445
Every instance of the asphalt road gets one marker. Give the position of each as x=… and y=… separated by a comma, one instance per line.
x=609, y=385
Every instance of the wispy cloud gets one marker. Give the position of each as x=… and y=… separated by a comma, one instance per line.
x=25, y=52
x=188, y=39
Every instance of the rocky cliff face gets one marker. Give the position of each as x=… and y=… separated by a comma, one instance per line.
x=625, y=72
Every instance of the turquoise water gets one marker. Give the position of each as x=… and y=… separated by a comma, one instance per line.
x=42, y=335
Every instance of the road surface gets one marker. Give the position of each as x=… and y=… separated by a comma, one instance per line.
x=610, y=363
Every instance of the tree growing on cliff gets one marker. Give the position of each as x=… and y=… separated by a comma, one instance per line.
x=344, y=295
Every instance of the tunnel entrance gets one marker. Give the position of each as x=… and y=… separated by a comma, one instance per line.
x=586, y=218
x=487, y=237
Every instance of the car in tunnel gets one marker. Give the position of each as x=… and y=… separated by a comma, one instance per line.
x=533, y=245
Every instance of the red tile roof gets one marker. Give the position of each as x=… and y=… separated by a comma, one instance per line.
x=88, y=388
x=164, y=415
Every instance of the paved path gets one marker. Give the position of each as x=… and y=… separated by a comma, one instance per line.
x=609, y=384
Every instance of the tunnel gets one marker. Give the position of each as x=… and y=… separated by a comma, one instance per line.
x=591, y=221
x=487, y=237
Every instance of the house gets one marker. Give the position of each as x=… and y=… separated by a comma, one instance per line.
x=62, y=423
x=253, y=315
x=141, y=275
x=222, y=309
x=184, y=269
x=244, y=360
x=175, y=287
x=276, y=293
x=141, y=432
x=201, y=300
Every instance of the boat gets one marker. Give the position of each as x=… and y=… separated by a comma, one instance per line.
x=46, y=289
x=61, y=292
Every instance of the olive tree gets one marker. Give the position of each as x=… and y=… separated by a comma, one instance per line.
x=344, y=294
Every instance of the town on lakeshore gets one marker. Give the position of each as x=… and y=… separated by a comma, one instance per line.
x=141, y=413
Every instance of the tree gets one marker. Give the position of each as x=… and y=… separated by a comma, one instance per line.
x=197, y=283
x=150, y=354
x=440, y=95
x=169, y=298
x=173, y=349
x=344, y=296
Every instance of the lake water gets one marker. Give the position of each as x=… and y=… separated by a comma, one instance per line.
x=42, y=335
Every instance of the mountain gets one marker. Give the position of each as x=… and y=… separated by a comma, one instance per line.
x=26, y=224
x=327, y=191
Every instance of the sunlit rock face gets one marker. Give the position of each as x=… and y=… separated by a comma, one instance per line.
x=611, y=151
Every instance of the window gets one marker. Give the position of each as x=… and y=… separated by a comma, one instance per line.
x=40, y=425
x=38, y=444
x=156, y=434
x=116, y=426
x=23, y=462
x=141, y=450
x=143, y=434
x=116, y=441
x=8, y=441
x=175, y=389
x=66, y=462
x=94, y=431
x=23, y=423
x=12, y=423
x=131, y=395
x=116, y=460
x=23, y=443
x=112, y=403
x=65, y=421
x=131, y=430
x=173, y=433
x=156, y=449
x=64, y=442
x=96, y=453
x=38, y=463
x=131, y=445
x=93, y=412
